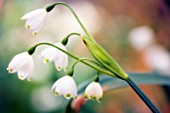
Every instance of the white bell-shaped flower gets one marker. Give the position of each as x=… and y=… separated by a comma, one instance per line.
x=22, y=64
x=35, y=20
x=53, y=54
x=65, y=86
x=94, y=91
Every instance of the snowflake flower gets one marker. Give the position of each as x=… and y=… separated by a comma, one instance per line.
x=53, y=54
x=94, y=91
x=65, y=86
x=22, y=64
x=35, y=20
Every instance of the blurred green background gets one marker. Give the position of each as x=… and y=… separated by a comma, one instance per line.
x=136, y=33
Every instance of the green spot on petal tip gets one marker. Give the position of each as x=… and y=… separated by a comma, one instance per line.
x=86, y=97
x=68, y=95
x=47, y=60
x=10, y=70
x=28, y=26
x=35, y=33
x=56, y=93
x=21, y=76
x=59, y=68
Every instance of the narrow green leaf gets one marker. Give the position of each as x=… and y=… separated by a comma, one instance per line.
x=139, y=78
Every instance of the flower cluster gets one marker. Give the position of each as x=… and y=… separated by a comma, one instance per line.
x=23, y=63
x=66, y=86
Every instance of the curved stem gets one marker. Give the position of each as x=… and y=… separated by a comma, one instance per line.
x=77, y=18
x=142, y=95
x=74, y=33
x=72, y=69
x=96, y=78
x=65, y=40
x=75, y=57
x=130, y=82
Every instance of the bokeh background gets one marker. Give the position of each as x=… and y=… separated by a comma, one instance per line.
x=135, y=32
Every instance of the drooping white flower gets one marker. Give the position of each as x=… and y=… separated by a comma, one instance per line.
x=94, y=91
x=53, y=54
x=65, y=86
x=35, y=20
x=22, y=64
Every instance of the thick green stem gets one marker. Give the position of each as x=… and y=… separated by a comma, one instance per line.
x=142, y=95
x=71, y=55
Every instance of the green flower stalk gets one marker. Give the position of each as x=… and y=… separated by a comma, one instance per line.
x=98, y=52
x=65, y=40
x=106, y=63
x=33, y=48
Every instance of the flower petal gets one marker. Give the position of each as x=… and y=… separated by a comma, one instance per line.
x=23, y=64
x=65, y=86
x=35, y=20
x=53, y=54
x=33, y=13
x=49, y=53
x=94, y=91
